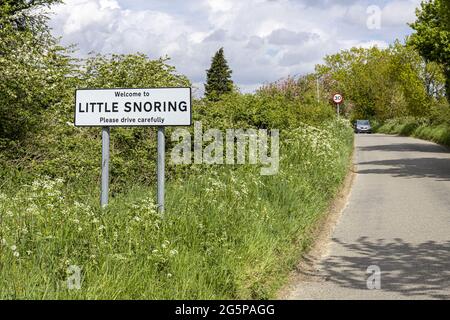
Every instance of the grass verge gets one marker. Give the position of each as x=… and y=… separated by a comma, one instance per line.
x=227, y=233
x=418, y=128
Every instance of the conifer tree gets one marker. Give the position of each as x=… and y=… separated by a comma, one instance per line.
x=218, y=77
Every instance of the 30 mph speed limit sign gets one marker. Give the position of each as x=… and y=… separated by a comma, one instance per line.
x=338, y=98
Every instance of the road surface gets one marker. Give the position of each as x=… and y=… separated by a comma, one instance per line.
x=397, y=219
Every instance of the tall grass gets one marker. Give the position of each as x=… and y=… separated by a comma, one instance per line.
x=227, y=232
x=419, y=128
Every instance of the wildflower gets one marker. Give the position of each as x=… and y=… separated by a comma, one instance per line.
x=16, y=254
x=169, y=275
x=13, y=247
x=119, y=256
x=165, y=244
x=173, y=252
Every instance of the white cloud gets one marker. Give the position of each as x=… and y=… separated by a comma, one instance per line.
x=288, y=37
x=264, y=40
x=220, y=5
x=109, y=4
x=399, y=12
x=218, y=35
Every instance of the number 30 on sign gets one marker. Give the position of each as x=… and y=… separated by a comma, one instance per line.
x=338, y=98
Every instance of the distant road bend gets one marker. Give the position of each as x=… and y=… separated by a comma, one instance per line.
x=397, y=219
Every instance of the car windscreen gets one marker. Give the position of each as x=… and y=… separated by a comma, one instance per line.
x=362, y=122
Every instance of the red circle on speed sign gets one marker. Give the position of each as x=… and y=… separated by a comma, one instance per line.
x=338, y=98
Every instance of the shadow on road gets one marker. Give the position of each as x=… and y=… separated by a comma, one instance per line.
x=437, y=168
x=407, y=147
x=421, y=270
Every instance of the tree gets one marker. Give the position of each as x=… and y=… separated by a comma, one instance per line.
x=432, y=36
x=130, y=71
x=445, y=11
x=24, y=14
x=379, y=83
x=218, y=77
x=33, y=67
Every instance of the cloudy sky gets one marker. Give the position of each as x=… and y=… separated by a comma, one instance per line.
x=264, y=40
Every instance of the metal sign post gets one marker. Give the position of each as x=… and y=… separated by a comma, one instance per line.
x=338, y=99
x=105, y=167
x=160, y=169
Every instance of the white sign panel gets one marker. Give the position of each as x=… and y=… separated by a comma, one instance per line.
x=133, y=107
x=337, y=98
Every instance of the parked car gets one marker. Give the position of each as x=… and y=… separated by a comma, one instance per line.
x=363, y=126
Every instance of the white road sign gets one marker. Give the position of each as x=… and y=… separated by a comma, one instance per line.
x=338, y=98
x=133, y=107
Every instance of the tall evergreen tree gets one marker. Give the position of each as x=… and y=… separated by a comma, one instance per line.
x=218, y=77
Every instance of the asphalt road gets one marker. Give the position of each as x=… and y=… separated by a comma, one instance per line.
x=397, y=218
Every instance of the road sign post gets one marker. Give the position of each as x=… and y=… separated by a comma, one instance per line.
x=338, y=99
x=105, y=166
x=133, y=107
x=160, y=169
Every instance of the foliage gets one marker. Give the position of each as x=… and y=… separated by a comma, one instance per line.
x=432, y=36
x=128, y=71
x=218, y=77
x=62, y=150
x=32, y=65
x=227, y=232
x=419, y=128
x=262, y=110
x=382, y=84
x=25, y=15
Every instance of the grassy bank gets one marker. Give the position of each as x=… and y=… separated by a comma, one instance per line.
x=418, y=128
x=228, y=232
